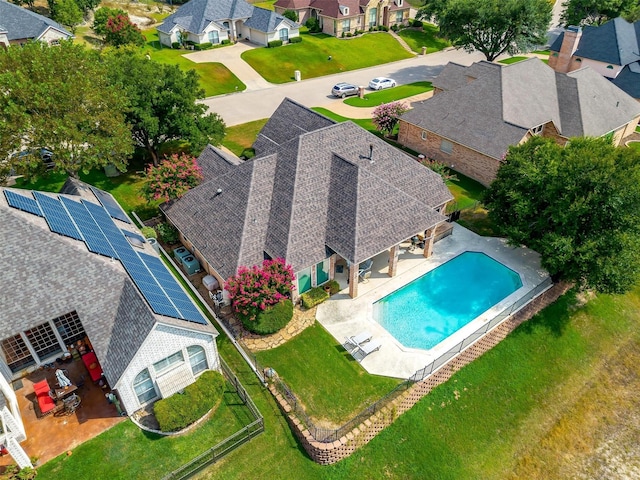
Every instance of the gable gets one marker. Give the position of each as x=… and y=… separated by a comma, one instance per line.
x=21, y=23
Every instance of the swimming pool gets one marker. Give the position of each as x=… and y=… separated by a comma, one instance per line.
x=432, y=307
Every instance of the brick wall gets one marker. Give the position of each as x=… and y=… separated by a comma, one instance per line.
x=329, y=453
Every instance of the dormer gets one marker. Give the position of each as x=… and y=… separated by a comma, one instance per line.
x=398, y=3
x=344, y=10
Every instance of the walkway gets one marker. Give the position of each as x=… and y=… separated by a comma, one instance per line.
x=341, y=108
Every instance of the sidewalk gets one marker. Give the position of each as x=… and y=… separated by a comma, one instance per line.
x=348, y=111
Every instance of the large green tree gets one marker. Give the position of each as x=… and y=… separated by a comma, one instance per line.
x=578, y=206
x=162, y=102
x=596, y=12
x=68, y=13
x=59, y=98
x=492, y=27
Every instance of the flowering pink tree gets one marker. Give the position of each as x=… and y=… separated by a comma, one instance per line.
x=119, y=30
x=386, y=116
x=172, y=178
x=252, y=290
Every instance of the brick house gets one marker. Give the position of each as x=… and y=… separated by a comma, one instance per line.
x=478, y=111
x=79, y=278
x=611, y=49
x=348, y=16
x=316, y=191
x=19, y=25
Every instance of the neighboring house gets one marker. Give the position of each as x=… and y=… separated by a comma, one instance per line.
x=477, y=112
x=19, y=25
x=217, y=21
x=74, y=268
x=348, y=16
x=315, y=191
x=611, y=49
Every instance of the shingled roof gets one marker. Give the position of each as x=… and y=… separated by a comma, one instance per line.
x=311, y=190
x=267, y=20
x=488, y=106
x=195, y=15
x=21, y=23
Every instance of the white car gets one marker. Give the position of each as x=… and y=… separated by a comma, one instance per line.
x=379, y=83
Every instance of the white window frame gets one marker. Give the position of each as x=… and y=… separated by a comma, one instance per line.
x=168, y=362
x=423, y=135
x=537, y=130
x=446, y=146
x=138, y=383
x=283, y=34
x=198, y=355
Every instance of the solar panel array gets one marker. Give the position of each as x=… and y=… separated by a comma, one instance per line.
x=133, y=235
x=109, y=203
x=94, y=225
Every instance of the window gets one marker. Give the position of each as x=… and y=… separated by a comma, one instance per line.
x=197, y=359
x=322, y=271
x=446, y=146
x=346, y=25
x=304, y=280
x=214, y=37
x=143, y=386
x=284, y=34
x=423, y=135
x=43, y=340
x=399, y=16
x=373, y=17
x=537, y=130
x=16, y=353
x=70, y=328
x=168, y=362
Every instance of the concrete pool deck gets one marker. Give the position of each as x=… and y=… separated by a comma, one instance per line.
x=343, y=316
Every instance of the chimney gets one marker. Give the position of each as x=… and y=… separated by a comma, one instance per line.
x=562, y=61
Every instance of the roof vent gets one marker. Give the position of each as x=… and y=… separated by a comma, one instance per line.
x=370, y=156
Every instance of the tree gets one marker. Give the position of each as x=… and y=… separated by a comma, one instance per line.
x=291, y=15
x=59, y=98
x=87, y=5
x=492, y=27
x=68, y=14
x=578, y=206
x=120, y=31
x=101, y=16
x=28, y=3
x=387, y=115
x=162, y=102
x=595, y=12
x=174, y=177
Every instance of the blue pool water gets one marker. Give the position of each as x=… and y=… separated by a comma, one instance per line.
x=426, y=311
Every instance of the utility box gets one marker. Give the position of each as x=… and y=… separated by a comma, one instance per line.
x=210, y=283
x=180, y=253
x=191, y=264
x=297, y=75
x=361, y=92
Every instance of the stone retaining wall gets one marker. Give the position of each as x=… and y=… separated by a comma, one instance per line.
x=329, y=453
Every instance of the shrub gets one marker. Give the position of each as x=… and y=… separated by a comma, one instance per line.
x=395, y=27
x=386, y=116
x=181, y=410
x=274, y=43
x=349, y=34
x=313, y=297
x=313, y=24
x=167, y=232
x=271, y=319
x=205, y=45
x=148, y=232
x=291, y=15
x=175, y=45
x=416, y=23
x=172, y=178
x=295, y=40
x=383, y=28
x=334, y=286
x=226, y=41
x=248, y=153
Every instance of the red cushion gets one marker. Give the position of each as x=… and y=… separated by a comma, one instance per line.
x=46, y=403
x=41, y=387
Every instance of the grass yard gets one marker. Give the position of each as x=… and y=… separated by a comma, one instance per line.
x=277, y=65
x=240, y=137
x=268, y=5
x=427, y=37
x=373, y=99
x=510, y=60
x=634, y=145
x=215, y=78
x=326, y=401
x=365, y=123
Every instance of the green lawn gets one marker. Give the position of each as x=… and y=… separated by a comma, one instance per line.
x=215, y=78
x=542, y=52
x=240, y=137
x=634, y=145
x=466, y=191
x=325, y=359
x=427, y=37
x=268, y=5
x=373, y=99
x=365, y=123
x=508, y=61
x=277, y=65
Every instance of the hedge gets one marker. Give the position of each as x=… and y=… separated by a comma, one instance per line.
x=203, y=46
x=182, y=409
x=148, y=232
x=313, y=297
x=274, y=43
x=295, y=40
x=271, y=319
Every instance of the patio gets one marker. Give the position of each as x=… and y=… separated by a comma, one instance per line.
x=343, y=316
x=54, y=434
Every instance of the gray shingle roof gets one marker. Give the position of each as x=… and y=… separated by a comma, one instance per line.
x=194, y=16
x=629, y=79
x=308, y=190
x=21, y=23
x=266, y=21
x=616, y=42
x=214, y=162
x=505, y=101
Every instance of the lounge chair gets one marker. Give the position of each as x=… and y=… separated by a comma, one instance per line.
x=365, y=349
x=354, y=342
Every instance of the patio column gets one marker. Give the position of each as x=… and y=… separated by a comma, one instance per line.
x=429, y=237
x=332, y=267
x=393, y=260
x=353, y=280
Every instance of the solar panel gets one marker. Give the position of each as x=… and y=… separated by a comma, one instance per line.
x=109, y=203
x=133, y=235
x=22, y=202
x=93, y=236
x=57, y=217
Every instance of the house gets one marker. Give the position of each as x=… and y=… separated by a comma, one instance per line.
x=221, y=21
x=478, y=111
x=19, y=25
x=79, y=278
x=338, y=17
x=316, y=192
x=611, y=49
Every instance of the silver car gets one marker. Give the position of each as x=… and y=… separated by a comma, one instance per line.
x=344, y=89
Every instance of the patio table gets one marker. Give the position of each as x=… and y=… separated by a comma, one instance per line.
x=63, y=392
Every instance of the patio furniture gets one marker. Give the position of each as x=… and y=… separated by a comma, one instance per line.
x=91, y=362
x=354, y=341
x=365, y=349
x=45, y=402
x=364, y=269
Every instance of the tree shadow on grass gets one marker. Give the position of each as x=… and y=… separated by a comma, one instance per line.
x=554, y=318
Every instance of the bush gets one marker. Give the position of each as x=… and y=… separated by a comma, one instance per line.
x=148, y=232
x=416, y=23
x=274, y=43
x=383, y=28
x=167, y=232
x=334, y=286
x=295, y=40
x=205, y=45
x=181, y=410
x=248, y=153
x=226, y=41
x=271, y=319
x=313, y=25
x=313, y=297
x=291, y=15
x=395, y=27
x=175, y=45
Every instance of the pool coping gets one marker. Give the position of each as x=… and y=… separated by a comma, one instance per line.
x=343, y=316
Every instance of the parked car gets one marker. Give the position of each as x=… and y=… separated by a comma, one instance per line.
x=45, y=154
x=379, y=83
x=344, y=89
